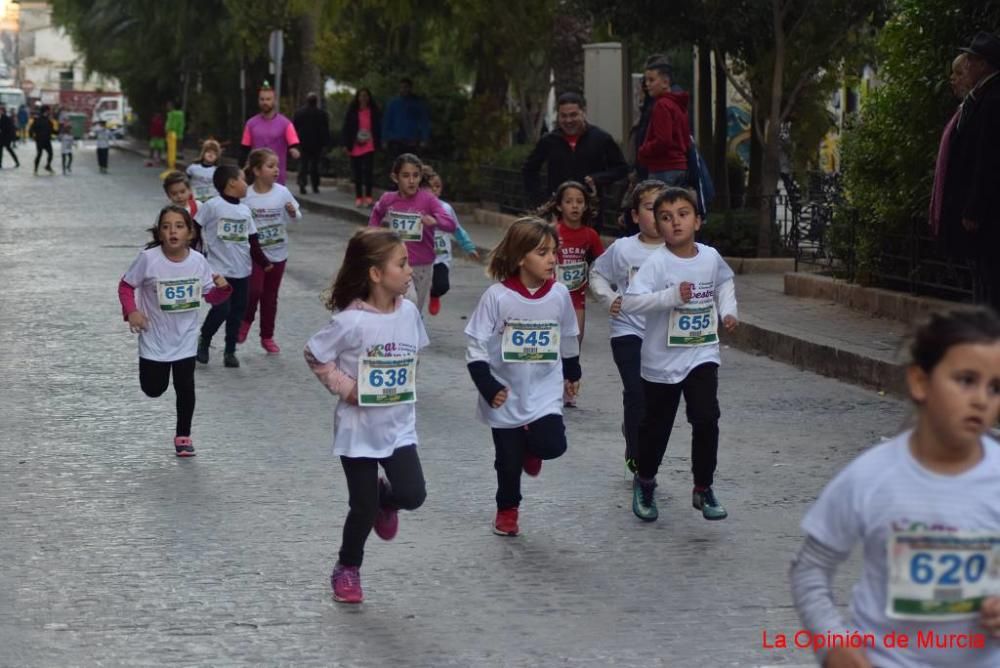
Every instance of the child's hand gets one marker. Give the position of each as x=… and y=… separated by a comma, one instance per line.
x=220, y=282
x=352, y=397
x=428, y=221
x=499, y=398
x=294, y=152
x=290, y=208
x=687, y=289
x=730, y=322
x=989, y=615
x=616, y=307
x=474, y=255
x=844, y=657
x=572, y=388
x=269, y=267
x=136, y=322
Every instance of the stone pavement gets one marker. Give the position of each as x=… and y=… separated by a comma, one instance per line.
x=114, y=552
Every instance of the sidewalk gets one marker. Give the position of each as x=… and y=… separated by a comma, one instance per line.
x=818, y=335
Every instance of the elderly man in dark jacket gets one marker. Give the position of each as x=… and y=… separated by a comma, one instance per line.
x=313, y=127
x=575, y=151
x=970, y=215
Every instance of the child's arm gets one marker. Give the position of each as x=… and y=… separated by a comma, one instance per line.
x=130, y=312
x=445, y=222
x=569, y=349
x=661, y=300
x=601, y=275
x=725, y=296
x=378, y=213
x=464, y=240
x=333, y=377
x=477, y=358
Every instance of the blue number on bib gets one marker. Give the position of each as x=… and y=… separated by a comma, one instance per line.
x=922, y=568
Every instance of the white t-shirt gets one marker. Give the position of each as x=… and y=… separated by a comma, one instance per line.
x=350, y=336
x=663, y=363
x=535, y=389
x=169, y=294
x=443, y=240
x=226, y=230
x=202, y=184
x=886, y=492
x=271, y=219
x=619, y=264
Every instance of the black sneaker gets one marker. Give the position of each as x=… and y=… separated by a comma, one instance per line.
x=202, y=355
x=229, y=360
x=705, y=501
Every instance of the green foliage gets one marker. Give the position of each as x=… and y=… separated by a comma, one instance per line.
x=888, y=156
x=734, y=233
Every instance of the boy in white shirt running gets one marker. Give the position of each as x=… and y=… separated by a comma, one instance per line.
x=684, y=289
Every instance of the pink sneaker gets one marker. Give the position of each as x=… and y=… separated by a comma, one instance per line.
x=270, y=346
x=244, y=330
x=387, y=520
x=532, y=465
x=346, y=583
x=183, y=446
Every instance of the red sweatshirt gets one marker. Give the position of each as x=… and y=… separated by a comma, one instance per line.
x=668, y=136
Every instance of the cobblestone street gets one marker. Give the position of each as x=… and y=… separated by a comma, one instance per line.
x=115, y=552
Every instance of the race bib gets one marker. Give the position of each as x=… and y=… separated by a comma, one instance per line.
x=693, y=326
x=941, y=576
x=387, y=381
x=233, y=230
x=408, y=226
x=270, y=235
x=530, y=341
x=204, y=192
x=573, y=275
x=441, y=245
x=178, y=294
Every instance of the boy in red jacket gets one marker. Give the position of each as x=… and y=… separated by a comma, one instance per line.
x=664, y=149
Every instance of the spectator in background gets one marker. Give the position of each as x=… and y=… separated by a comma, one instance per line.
x=574, y=151
x=361, y=136
x=960, y=86
x=970, y=208
x=313, y=127
x=406, y=127
x=664, y=149
x=175, y=123
x=22, y=121
x=8, y=132
x=270, y=129
x=41, y=129
x=157, y=139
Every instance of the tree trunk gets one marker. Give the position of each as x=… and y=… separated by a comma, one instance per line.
x=720, y=157
x=705, y=138
x=756, y=160
x=310, y=80
x=772, y=128
x=569, y=33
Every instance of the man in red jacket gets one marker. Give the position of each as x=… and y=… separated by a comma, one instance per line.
x=664, y=150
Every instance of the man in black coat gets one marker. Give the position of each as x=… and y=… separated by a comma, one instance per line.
x=313, y=127
x=41, y=130
x=8, y=133
x=970, y=212
x=575, y=151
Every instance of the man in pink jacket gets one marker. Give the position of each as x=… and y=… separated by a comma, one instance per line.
x=272, y=130
x=664, y=149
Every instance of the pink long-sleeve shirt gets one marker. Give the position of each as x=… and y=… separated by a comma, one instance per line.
x=424, y=202
x=276, y=133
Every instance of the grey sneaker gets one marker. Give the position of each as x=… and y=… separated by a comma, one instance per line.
x=229, y=360
x=643, y=499
x=709, y=506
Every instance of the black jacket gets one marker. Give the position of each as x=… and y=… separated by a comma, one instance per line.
x=313, y=127
x=597, y=155
x=41, y=129
x=7, y=130
x=349, y=132
x=971, y=183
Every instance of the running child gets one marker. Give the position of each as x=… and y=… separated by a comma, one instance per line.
x=232, y=247
x=684, y=289
x=440, y=283
x=66, y=143
x=273, y=207
x=201, y=171
x=609, y=280
x=103, y=137
x=925, y=507
x=414, y=214
x=523, y=356
x=575, y=213
x=367, y=355
x=171, y=280
x=178, y=191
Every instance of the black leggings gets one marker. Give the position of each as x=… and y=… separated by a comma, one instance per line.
x=67, y=161
x=363, y=166
x=40, y=147
x=406, y=478
x=544, y=438
x=700, y=389
x=154, y=378
x=229, y=312
x=439, y=281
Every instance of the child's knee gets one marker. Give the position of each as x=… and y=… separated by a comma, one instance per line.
x=547, y=437
x=151, y=390
x=410, y=497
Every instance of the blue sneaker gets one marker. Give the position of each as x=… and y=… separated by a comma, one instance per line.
x=709, y=506
x=643, y=499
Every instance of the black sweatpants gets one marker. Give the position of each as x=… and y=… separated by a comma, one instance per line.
x=154, y=377
x=627, y=353
x=700, y=389
x=309, y=164
x=408, y=491
x=43, y=147
x=544, y=438
x=363, y=166
x=439, y=280
x=102, y=157
x=10, y=149
x=229, y=312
